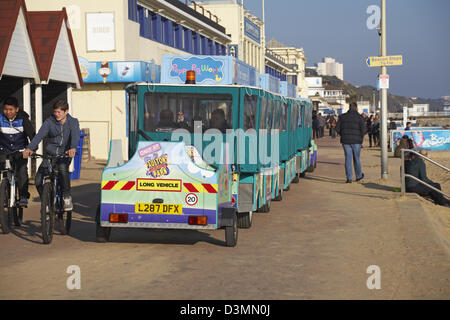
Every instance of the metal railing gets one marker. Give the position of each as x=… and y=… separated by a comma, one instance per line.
x=399, y=115
x=403, y=175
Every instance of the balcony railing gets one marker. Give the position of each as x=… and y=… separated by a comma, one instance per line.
x=200, y=9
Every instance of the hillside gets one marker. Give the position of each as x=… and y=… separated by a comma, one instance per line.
x=395, y=103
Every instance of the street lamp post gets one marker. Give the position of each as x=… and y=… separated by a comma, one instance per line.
x=384, y=132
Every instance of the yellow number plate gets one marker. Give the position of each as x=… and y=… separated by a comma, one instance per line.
x=158, y=208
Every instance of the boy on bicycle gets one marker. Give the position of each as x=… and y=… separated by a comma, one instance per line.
x=15, y=132
x=63, y=134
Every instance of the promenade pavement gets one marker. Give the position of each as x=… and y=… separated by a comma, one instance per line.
x=318, y=243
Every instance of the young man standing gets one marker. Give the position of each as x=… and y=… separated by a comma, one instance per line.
x=63, y=134
x=16, y=131
x=352, y=128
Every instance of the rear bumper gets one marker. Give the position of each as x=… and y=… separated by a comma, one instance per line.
x=146, y=225
x=151, y=219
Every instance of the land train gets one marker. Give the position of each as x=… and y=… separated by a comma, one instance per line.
x=204, y=157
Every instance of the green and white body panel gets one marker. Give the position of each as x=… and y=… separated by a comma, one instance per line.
x=166, y=173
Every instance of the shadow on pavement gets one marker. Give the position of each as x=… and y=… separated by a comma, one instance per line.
x=325, y=179
x=365, y=195
x=378, y=187
x=332, y=163
x=163, y=236
x=28, y=230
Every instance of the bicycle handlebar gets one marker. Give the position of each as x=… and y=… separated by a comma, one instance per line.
x=8, y=154
x=48, y=156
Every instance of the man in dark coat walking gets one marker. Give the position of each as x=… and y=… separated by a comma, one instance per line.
x=352, y=128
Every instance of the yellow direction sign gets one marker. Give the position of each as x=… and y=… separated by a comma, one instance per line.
x=384, y=61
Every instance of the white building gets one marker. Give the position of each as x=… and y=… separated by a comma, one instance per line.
x=333, y=93
x=329, y=67
x=315, y=86
x=113, y=37
x=336, y=98
x=296, y=60
x=418, y=110
x=364, y=106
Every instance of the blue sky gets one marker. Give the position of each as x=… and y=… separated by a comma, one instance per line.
x=417, y=29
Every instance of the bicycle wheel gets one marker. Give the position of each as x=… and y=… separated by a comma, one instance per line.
x=64, y=222
x=47, y=214
x=5, y=214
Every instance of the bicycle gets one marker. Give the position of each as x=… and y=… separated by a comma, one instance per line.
x=9, y=195
x=52, y=201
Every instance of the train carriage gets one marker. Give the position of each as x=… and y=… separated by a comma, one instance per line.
x=204, y=157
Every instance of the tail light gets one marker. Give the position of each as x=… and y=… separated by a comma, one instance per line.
x=118, y=218
x=198, y=221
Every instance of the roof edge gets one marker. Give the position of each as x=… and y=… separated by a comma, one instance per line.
x=72, y=45
x=19, y=4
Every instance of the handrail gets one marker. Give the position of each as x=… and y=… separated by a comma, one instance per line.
x=403, y=175
x=426, y=158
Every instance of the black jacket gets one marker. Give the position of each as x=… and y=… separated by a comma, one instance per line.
x=351, y=126
x=415, y=167
x=15, y=134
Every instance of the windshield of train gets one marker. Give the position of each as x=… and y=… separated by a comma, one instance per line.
x=166, y=112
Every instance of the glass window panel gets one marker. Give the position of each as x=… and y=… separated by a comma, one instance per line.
x=165, y=112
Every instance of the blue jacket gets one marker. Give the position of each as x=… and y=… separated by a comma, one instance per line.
x=14, y=134
x=60, y=138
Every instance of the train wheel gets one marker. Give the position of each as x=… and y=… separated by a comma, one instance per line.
x=245, y=220
x=296, y=179
x=262, y=208
x=102, y=234
x=267, y=207
x=279, y=197
x=302, y=174
x=231, y=233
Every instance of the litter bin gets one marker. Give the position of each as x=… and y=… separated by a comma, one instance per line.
x=75, y=175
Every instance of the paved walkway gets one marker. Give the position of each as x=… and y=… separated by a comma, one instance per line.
x=315, y=244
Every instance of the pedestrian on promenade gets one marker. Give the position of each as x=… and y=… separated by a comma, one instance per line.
x=408, y=126
x=370, y=130
x=392, y=124
x=315, y=123
x=417, y=168
x=333, y=127
x=352, y=128
x=376, y=130
x=322, y=124
x=328, y=119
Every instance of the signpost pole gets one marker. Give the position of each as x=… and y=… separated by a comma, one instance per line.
x=384, y=131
